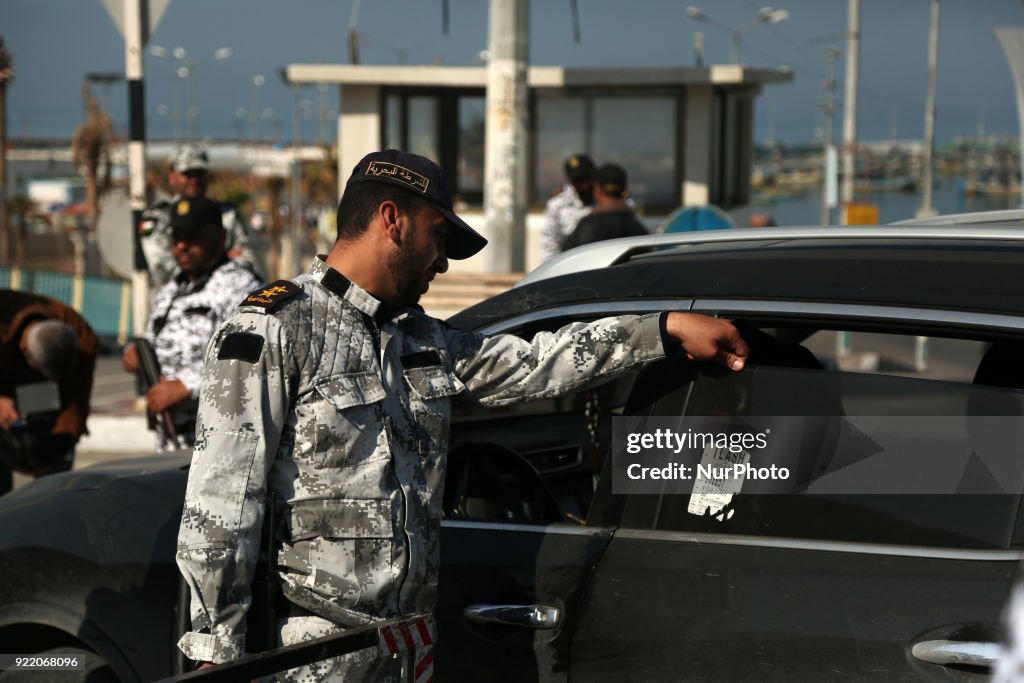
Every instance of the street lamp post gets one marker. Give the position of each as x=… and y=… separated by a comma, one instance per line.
x=180, y=74
x=765, y=15
x=239, y=123
x=828, y=104
x=254, y=111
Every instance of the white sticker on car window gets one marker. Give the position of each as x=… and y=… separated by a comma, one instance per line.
x=720, y=476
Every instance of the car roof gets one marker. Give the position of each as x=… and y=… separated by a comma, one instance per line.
x=959, y=268
x=1005, y=217
x=611, y=252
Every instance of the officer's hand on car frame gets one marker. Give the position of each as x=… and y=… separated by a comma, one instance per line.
x=707, y=338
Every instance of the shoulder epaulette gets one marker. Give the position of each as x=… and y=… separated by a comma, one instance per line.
x=273, y=294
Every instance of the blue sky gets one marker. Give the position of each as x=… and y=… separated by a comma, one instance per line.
x=56, y=42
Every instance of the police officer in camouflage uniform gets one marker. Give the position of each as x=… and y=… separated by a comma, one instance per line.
x=565, y=208
x=204, y=293
x=332, y=391
x=190, y=177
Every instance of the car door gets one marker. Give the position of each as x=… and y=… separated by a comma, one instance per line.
x=507, y=598
x=811, y=583
x=524, y=527
x=515, y=551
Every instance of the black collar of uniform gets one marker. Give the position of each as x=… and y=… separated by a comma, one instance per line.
x=338, y=284
x=386, y=313
x=335, y=282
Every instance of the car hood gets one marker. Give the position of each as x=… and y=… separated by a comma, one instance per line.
x=98, y=475
x=117, y=512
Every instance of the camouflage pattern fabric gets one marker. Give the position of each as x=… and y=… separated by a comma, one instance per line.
x=365, y=665
x=341, y=408
x=156, y=242
x=181, y=322
x=561, y=214
x=1010, y=666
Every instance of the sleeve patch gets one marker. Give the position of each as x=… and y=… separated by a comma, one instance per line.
x=421, y=360
x=271, y=295
x=241, y=346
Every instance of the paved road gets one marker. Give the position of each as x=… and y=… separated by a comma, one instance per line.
x=113, y=389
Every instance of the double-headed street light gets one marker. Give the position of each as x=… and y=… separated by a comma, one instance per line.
x=188, y=71
x=765, y=15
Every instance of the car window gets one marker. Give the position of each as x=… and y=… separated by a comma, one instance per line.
x=884, y=427
x=560, y=439
x=796, y=372
x=563, y=439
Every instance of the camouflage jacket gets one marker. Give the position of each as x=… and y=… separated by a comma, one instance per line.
x=561, y=214
x=155, y=231
x=315, y=392
x=181, y=322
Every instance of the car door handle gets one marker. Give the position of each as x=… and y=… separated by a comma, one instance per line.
x=541, y=617
x=961, y=652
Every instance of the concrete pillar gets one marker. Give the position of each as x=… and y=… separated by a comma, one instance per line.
x=358, y=127
x=850, y=107
x=505, y=138
x=133, y=44
x=697, y=144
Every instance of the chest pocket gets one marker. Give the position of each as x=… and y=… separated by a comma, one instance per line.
x=347, y=420
x=430, y=390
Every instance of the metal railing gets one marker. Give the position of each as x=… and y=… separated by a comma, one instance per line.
x=391, y=637
x=105, y=303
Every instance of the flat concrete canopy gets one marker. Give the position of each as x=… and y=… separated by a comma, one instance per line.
x=538, y=76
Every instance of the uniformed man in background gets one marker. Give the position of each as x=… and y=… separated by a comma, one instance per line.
x=331, y=392
x=206, y=290
x=612, y=217
x=190, y=177
x=563, y=210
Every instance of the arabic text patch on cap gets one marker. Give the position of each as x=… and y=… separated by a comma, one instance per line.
x=191, y=158
x=426, y=179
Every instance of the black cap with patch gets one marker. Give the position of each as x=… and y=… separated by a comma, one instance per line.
x=426, y=179
x=195, y=213
x=611, y=178
x=578, y=167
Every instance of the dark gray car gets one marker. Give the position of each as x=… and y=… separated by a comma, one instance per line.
x=553, y=572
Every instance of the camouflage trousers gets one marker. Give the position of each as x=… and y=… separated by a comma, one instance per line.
x=364, y=666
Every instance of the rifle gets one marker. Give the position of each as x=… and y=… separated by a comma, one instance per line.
x=261, y=618
x=149, y=374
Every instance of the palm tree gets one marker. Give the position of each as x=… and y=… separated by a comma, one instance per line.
x=320, y=188
x=273, y=185
x=18, y=209
x=6, y=76
x=320, y=180
x=90, y=150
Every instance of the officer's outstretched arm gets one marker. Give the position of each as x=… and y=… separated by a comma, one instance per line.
x=505, y=369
